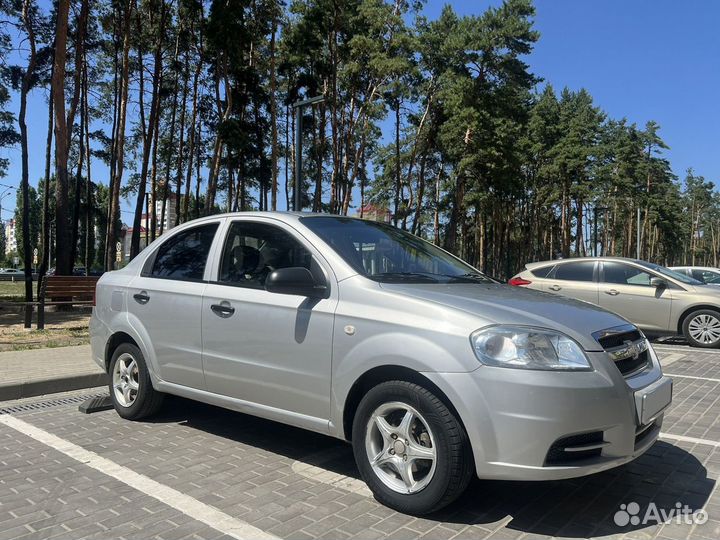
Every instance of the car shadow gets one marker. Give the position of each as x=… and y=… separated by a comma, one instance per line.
x=582, y=507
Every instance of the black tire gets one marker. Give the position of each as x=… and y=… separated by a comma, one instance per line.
x=454, y=463
x=687, y=331
x=148, y=400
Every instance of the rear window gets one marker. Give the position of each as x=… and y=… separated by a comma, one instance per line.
x=543, y=271
x=575, y=271
x=183, y=256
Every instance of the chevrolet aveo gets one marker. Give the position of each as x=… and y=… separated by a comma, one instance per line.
x=361, y=331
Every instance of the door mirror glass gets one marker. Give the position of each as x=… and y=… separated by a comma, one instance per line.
x=658, y=283
x=294, y=280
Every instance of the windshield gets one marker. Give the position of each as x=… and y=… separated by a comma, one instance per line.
x=682, y=278
x=384, y=253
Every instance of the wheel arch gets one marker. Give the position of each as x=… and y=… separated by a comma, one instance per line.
x=117, y=339
x=384, y=373
x=688, y=311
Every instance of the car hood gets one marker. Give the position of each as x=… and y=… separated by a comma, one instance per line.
x=503, y=304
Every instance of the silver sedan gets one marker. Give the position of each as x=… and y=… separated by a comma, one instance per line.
x=364, y=332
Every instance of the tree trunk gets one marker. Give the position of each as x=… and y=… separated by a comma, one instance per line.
x=89, y=221
x=119, y=151
x=78, y=184
x=148, y=131
x=273, y=120
x=25, y=180
x=191, y=143
x=45, y=262
x=64, y=264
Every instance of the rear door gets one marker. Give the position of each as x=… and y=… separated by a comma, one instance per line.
x=166, y=300
x=626, y=290
x=574, y=279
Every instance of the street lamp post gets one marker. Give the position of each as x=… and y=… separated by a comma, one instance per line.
x=4, y=194
x=298, y=106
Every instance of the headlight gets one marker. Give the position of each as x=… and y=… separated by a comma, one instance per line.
x=526, y=347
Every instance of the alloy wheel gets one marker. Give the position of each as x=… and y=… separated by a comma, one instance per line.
x=705, y=329
x=126, y=380
x=400, y=447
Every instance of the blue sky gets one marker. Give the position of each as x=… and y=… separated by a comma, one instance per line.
x=644, y=60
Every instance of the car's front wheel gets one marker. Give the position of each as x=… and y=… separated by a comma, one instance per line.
x=701, y=328
x=410, y=448
x=131, y=390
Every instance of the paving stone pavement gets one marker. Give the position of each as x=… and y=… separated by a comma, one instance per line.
x=37, y=371
x=297, y=485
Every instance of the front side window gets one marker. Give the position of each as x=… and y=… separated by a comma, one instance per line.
x=682, y=278
x=253, y=250
x=624, y=274
x=183, y=257
x=706, y=276
x=384, y=253
x=575, y=271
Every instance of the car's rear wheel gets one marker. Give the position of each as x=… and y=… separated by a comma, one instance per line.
x=702, y=328
x=410, y=448
x=131, y=390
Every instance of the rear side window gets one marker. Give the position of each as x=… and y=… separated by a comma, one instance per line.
x=184, y=256
x=542, y=272
x=575, y=271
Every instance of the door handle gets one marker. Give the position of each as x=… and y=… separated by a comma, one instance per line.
x=612, y=292
x=223, y=309
x=141, y=298
x=555, y=288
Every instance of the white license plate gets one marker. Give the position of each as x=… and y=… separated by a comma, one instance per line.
x=651, y=401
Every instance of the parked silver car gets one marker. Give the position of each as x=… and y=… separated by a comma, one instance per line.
x=658, y=300
x=707, y=274
x=360, y=331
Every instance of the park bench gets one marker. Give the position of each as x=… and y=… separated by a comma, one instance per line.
x=65, y=291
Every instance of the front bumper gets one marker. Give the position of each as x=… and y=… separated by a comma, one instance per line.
x=537, y=425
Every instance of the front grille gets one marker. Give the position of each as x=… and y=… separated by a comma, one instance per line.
x=612, y=340
x=630, y=365
x=627, y=348
x=574, y=448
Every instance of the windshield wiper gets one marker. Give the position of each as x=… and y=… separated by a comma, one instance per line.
x=470, y=277
x=405, y=276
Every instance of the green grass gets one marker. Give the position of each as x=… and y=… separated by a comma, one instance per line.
x=12, y=291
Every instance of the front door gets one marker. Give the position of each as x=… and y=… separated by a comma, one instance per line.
x=166, y=301
x=273, y=350
x=626, y=290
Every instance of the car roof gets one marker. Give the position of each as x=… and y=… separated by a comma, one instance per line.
x=539, y=264
x=289, y=215
x=713, y=268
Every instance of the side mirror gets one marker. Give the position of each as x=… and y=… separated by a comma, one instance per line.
x=658, y=282
x=294, y=280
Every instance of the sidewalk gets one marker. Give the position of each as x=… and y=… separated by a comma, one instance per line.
x=45, y=371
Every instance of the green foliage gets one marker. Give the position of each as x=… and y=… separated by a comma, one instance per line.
x=34, y=220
